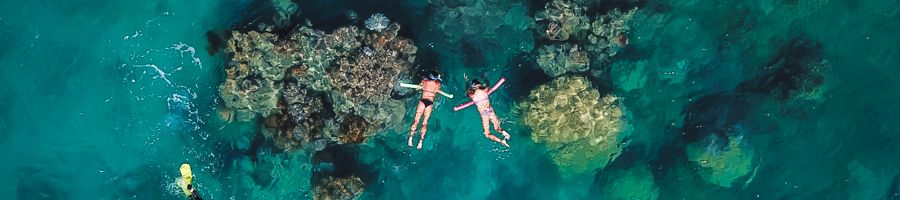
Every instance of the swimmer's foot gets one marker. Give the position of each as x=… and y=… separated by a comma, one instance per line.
x=420, y=145
x=505, y=135
x=409, y=142
x=503, y=142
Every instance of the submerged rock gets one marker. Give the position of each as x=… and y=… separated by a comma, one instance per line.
x=581, y=129
x=721, y=164
x=556, y=60
x=332, y=188
x=561, y=19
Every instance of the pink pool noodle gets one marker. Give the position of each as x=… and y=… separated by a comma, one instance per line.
x=461, y=106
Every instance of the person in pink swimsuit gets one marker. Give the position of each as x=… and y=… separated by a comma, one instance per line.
x=479, y=94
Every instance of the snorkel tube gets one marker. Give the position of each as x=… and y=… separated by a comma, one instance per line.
x=462, y=106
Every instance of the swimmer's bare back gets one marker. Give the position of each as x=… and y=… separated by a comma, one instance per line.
x=429, y=90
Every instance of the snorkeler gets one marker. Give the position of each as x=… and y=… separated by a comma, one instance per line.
x=479, y=93
x=431, y=85
x=185, y=182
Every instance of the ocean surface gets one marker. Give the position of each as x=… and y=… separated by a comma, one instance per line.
x=105, y=99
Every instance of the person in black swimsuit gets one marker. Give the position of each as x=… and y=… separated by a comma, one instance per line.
x=431, y=84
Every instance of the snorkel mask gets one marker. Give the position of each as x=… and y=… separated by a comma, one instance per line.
x=433, y=76
x=475, y=84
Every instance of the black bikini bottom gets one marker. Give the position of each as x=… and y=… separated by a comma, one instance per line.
x=426, y=102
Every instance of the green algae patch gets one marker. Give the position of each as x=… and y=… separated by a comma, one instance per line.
x=580, y=128
x=721, y=166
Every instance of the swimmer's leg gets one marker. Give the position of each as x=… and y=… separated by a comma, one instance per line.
x=486, y=125
x=412, y=130
x=424, y=125
x=496, y=123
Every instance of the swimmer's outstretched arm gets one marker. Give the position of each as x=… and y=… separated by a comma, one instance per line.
x=419, y=87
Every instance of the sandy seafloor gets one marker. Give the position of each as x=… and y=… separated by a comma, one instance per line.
x=104, y=99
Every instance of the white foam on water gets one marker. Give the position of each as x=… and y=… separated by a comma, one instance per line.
x=161, y=74
x=136, y=34
x=182, y=48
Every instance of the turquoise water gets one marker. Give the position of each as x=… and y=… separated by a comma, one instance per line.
x=104, y=99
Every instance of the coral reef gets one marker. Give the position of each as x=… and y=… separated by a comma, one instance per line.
x=370, y=74
x=560, y=19
x=608, y=34
x=317, y=52
x=257, y=63
x=587, y=41
x=558, y=59
x=377, y=22
x=796, y=72
x=630, y=184
x=482, y=30
x=354, y=130
x=332, y=188
x=721, y=165
x=284, y=11
x=289, y=81
x=364, y=81
x=581, y=129
x=303, y=122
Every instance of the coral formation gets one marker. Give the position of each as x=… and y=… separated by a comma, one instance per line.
x=608, y=34
x=364, y=81
x=629, y=184
x=290, y=80
x=597, y=38
x=317, y=52
x=377, y=22
x=558, y=59
x=581, y=129
x=721, y=165
x=560, y=19
x=483, y=30
x=354, y=130
x=256, y=65
x=332, y=188
x=796, y=72
x=302, y=123
x=284, y=11
x=369, y=75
